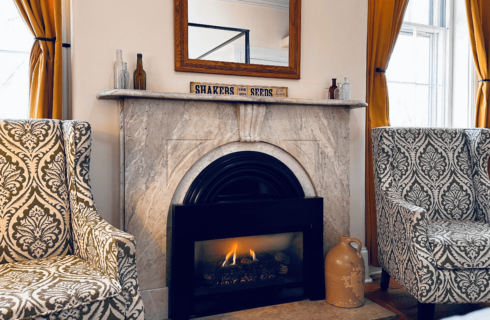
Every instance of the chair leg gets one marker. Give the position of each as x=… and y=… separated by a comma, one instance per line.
x=425, y=311
x=385, y=280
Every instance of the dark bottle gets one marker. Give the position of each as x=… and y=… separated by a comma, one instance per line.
x=139, y=75
x=331, y=91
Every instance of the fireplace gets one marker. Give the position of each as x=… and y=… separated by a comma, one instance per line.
x=245, y=236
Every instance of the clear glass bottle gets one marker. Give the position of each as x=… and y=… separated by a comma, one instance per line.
x=117, y=69
x=327, y=93
x=339, y=93
x=139, y=75
x=346, y=88
x=124, y=77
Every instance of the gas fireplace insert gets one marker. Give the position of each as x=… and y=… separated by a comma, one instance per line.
x=245, y=237
x=240, y=255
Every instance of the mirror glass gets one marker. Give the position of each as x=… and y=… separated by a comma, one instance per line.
x=243, y=31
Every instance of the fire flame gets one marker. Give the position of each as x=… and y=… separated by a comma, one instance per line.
x=232, y=252
x=252, y=253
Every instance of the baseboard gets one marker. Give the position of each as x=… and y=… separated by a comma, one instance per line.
x=374, y=270
x=365, y=257
x=367, y=270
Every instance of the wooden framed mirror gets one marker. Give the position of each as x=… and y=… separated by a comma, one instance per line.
x=256, y=38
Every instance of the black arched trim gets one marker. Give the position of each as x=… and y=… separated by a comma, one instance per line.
x=238, y=167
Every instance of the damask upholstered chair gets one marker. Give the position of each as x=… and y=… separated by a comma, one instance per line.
x=433, y=213
x=58, y=258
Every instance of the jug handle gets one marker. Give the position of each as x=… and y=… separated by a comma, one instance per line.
x=359, y=246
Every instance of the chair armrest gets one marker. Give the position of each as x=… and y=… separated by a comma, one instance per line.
x=404, y=245
x=105, y=247
x=111, y=251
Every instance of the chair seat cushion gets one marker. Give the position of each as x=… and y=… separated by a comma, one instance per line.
x=45, y=286
x=460, y=244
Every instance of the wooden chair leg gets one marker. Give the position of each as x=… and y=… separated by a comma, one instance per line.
x=425, y=311
x=385, y=280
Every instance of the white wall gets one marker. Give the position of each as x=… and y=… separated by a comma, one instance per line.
x=333, y=45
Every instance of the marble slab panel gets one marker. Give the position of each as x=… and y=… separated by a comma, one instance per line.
x=156, y=303
x=166, y=139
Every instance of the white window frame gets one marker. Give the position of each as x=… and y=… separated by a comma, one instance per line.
x=441, y=43
x=66, y=56
x=438, y=39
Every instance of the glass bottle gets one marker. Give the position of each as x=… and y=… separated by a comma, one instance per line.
x=327, y=93
x=124, y=77
x=117, y=69
x=346, y=88
x=332, y=88
x=339, y=94
x=139, y=75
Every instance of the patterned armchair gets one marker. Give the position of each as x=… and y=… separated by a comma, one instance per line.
x=58, y=258
x=433, y=213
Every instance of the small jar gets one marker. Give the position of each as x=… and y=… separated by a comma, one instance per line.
x=339, y=93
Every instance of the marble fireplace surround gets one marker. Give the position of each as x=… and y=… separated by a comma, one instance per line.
x=167, y=139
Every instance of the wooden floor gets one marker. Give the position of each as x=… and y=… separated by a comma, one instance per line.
x=399, y=301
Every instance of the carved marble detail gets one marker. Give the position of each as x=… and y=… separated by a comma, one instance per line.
x=250, y=118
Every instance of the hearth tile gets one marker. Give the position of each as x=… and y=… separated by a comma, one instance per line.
x=156, y=303
x=308, y=310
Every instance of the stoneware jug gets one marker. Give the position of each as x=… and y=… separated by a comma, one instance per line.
x=344, y=274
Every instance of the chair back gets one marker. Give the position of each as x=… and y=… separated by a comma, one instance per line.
x=434, y=168
x=34, y=202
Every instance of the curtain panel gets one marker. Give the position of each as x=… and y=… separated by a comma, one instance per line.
x=43, y=18
x=385, y=19
x=478, y=14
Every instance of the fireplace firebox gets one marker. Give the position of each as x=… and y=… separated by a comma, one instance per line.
x=246, y=236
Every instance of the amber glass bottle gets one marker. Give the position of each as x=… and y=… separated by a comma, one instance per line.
x=331, y=91
x=139, y=75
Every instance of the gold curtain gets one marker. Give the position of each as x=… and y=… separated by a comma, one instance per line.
x=43, y=17
x=478, y=14
x=385, y=19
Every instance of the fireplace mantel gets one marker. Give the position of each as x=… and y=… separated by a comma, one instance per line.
x=167, y=139
x=117, y=94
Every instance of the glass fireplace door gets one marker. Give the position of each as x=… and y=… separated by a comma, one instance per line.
x=232, y=264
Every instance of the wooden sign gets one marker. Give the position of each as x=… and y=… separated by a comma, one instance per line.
x=238, y=90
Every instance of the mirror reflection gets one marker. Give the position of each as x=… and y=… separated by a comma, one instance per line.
x=244, y=31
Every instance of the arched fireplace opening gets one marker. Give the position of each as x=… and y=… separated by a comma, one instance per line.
x=245, y=236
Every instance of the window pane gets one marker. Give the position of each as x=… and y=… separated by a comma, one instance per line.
x=14, y=85
x=14, y=34
x=421, y=109
x=15, y=45
x=438, y=101
x=423, y=59
x=402, y=63
x=418, y=11
x=409, y=105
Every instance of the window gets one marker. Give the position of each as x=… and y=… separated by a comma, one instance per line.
x=418, y=74
x=15, y=46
